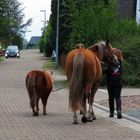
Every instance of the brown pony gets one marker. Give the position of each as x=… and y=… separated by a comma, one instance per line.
x=84, y=73
x=39, y=84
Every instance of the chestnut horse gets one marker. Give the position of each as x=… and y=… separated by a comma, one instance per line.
x=84, y=73
x=39, y=84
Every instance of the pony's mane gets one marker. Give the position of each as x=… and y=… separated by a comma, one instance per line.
x=80, y=46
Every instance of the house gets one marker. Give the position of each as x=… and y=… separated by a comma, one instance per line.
x=138, y=11
x=127, y=8
x=130, y=9
x=33, y=42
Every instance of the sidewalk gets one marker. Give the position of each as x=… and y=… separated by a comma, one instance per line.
x=128, y=120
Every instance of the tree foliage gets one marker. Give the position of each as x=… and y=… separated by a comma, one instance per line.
x=11, y=19
x=64, y=23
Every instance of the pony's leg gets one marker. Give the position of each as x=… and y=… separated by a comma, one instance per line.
x=44, y=102
x=33, y=109
x=91, y=114
x=75, y=117
x=37, y=104
x=37, y=107
x=32, y=104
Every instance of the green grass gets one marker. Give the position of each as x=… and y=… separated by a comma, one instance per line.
x=50, y=65
x=1, y=59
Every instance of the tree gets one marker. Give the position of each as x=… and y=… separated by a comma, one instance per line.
x=65, y=27
x=64, y=24
x=106, y=2
x=11, y=19
x=53, y=22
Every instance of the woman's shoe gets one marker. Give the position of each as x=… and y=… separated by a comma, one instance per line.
x=111, y=115
x=119, y=115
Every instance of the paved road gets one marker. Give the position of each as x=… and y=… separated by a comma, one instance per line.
x=17, y=122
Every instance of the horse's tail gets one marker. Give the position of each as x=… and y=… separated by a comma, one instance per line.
x=30, y=85
x=76, y=88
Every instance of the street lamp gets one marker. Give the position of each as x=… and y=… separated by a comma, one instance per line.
x=57, y=35
x=44, y=11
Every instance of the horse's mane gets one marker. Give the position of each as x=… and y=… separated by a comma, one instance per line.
x=97, y=48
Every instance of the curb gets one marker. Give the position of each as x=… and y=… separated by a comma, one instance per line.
x=124, y=115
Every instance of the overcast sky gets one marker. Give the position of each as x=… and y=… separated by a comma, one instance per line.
x=32, y=10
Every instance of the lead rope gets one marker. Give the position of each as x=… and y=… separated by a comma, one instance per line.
x=54, y=90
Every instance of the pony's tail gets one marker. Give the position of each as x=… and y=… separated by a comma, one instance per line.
x=76, y=88
x=30, y=85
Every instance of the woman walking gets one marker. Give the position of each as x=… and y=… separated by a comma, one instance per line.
x=114, y=87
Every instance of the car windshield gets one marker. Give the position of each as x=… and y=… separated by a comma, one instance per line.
x=12, y=48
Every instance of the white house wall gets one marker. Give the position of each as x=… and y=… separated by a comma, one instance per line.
x=138, y=11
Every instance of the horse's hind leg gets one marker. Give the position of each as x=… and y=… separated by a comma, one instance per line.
x=34, y=111
x=90, y=110
x=44, y=102
x=91, y=115
x=75, y=117
x=84, y=118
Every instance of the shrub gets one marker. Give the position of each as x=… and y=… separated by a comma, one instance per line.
x=131, y=65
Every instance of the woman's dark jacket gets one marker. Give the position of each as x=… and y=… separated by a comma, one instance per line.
x=113, y=74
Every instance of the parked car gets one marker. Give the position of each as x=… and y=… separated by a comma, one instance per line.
x=12, y=51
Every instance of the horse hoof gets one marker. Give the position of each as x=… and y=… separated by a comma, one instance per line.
x=35, y=114
x=44, y=113
x=81, y=112
x=84, y=119
x=90, y=119
x=75, y=123
x=94, y=118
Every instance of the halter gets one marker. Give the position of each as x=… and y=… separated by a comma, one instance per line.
x=109, y=55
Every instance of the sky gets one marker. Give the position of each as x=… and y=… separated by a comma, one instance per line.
x=32, y=10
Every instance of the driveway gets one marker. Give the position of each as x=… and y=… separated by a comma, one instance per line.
x=17, y=122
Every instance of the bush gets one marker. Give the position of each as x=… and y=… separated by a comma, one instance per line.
x=131, y=65
x=93, y=22
x=47, y=41
x=41, y=45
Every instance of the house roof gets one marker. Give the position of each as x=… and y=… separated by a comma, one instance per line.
x=34, y=40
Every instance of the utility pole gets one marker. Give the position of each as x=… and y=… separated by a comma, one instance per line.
x=44, y=21
x=57, y=36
